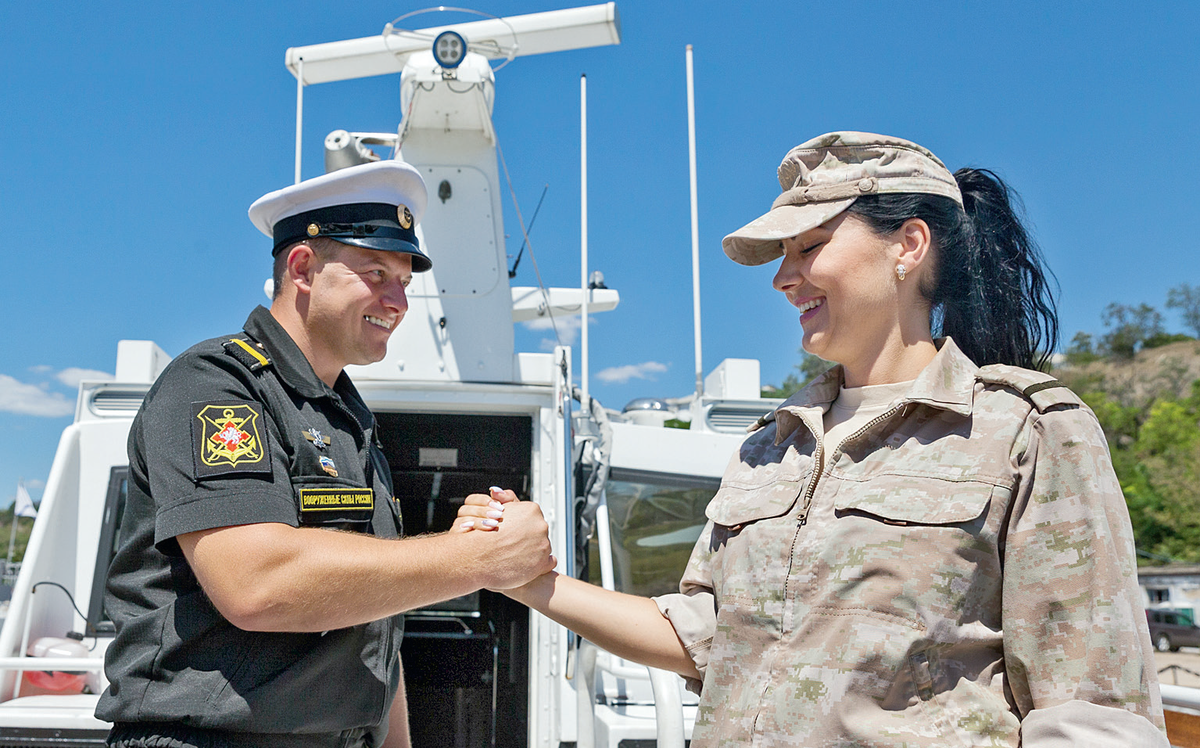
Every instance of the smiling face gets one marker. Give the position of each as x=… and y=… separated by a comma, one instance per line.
x=853, y=308
x=356, y=298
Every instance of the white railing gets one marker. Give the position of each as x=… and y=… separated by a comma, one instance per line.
x=1180, y=696
x=668, y=705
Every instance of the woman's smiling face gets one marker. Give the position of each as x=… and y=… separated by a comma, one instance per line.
x=841, y=276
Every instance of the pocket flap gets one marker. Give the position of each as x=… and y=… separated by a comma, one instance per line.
x=736, y=506
x=922, y=500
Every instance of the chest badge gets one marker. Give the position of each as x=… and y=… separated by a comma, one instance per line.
x=328, y=466
x=318, y=440
x=226, y=438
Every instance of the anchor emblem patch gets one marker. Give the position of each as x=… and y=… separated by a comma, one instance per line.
x=226, y=439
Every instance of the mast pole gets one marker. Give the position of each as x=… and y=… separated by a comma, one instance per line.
x=585, y=403
x=691, y=103
x=299, y=112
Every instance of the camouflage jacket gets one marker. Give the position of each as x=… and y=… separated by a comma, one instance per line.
x=959, y=572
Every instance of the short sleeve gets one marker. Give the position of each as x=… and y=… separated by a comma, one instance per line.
x=1076, y=648
x=199, y=401
x=692, y=611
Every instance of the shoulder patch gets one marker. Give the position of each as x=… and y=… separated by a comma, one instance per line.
x=229, y=437
x=1041, y=389
x=247, y=354
x=762, y=421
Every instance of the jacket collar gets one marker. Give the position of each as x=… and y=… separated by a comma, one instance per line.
x=947, y=383
x=292, y=365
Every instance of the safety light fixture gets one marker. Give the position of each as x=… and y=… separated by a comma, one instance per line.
x=449, y=49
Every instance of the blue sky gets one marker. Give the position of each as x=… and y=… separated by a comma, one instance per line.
x=135, y=135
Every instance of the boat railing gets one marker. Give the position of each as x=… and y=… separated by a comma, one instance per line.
x=668, y=704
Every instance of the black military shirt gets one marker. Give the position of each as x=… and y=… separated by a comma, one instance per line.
x=240, y=430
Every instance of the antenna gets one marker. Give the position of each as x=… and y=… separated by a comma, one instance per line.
x=585, y=402
x=299, y=111
x=691, y=99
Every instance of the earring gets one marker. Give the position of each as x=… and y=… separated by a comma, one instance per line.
x=900, y=272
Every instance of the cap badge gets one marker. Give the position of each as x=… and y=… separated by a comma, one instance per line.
x=404, y=216
x=328, y=466
x=313, y=229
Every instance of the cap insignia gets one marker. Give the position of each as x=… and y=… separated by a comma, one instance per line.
x=313, y=229
x=404, y=216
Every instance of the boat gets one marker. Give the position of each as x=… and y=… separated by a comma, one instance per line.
x=459, y=409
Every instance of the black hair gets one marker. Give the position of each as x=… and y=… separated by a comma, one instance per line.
x=990, y=290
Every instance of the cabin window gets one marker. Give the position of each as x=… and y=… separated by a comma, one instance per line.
x=1158, y=594
x=655, y=519
x=98, y=621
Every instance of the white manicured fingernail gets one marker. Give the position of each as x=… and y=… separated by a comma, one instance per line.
x=490, y=523
x=496, y=489
x=467, y=525
x=496, y=505
x=495, y=514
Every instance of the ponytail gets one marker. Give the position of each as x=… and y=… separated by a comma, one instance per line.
x=990, y=290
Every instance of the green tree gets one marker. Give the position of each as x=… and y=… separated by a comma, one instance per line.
x=809, y=368
x=1082, y=349
x=1130, y=326
x=1186, y=299
x=1160, y=476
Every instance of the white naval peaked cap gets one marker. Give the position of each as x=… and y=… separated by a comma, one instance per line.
x=375, y=205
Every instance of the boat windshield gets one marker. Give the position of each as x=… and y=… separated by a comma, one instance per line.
x=655, y=520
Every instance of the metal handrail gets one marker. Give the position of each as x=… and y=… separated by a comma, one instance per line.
x=1180, y=696
x=65, y=664
x=668, y=705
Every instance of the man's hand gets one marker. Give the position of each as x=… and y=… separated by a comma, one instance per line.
x=484, y=511
x=519, y=532
x=520, y=548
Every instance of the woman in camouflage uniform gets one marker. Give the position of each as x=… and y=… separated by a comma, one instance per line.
x=926, y=546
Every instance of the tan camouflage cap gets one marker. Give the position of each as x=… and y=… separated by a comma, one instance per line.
x=822, y=177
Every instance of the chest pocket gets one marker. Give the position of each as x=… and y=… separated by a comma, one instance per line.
x=763, y=482
x=336, y=503
x=916, y=500
x=736, y=505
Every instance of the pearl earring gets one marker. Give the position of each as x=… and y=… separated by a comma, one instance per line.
x=900, y=272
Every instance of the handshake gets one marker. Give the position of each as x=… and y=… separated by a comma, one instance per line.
x=520, y=545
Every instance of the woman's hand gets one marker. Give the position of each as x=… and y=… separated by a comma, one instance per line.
x=484, y=511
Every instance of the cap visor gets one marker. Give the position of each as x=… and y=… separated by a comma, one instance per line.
x=420, y=261
x=758, y=242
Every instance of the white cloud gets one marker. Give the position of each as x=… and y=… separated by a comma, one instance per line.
x=41, y=368
x=31, y=400
x=568, y=329
x=622, y=374
x=72, y=376
x=35, y=484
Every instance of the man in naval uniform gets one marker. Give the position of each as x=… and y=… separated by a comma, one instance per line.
x=242, y=617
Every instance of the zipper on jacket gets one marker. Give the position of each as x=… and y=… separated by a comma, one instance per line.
x=817, y=469
x=819, y=456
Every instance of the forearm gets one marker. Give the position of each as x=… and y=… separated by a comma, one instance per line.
x=626, y=625
x=273, y=577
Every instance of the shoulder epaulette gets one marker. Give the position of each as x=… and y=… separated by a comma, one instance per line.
x=762, y=421
x=247, y=354
x=1041, y=389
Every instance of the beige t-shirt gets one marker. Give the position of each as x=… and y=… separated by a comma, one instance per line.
x=854, y=407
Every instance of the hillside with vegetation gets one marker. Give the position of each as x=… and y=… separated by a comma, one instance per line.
x=1143, y=382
